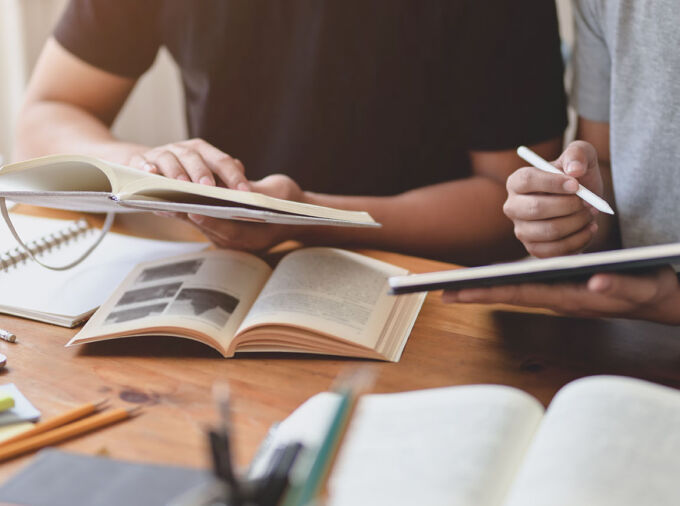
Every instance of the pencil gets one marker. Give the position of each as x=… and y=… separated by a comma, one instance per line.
x=63, y=433
x=56, y=421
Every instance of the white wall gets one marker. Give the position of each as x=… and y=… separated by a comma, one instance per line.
x=154, y=114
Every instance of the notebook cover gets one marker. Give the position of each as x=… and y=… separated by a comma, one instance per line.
x=56, y=478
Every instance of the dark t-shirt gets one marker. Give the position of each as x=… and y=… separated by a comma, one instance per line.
x=370, y=97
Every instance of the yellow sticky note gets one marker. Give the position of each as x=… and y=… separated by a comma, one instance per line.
x=6, y=402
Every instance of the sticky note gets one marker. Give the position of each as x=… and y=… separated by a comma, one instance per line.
x=6, y=402
x=23, y=410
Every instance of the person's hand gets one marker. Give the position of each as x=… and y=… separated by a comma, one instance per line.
x=253, y=236
x=653, y=295
x=193, y=160
x=550, y=220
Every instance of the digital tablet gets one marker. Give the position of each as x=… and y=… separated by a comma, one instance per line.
x=570, y=267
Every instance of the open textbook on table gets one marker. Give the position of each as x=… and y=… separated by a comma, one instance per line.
x=316, y=300
x=604, y=440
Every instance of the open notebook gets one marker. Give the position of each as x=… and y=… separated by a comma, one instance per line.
x=604, y=440
x=68, y=297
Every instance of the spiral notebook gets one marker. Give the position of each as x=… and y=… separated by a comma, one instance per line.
x=69, y=297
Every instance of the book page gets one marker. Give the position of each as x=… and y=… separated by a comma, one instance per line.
x=173, y=190
x=605, y=440
x=74, y=182
x=55, y=173
x=339, y=292
x=445, y=446
x=200, y=294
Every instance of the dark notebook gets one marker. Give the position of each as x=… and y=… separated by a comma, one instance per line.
x=57, y=478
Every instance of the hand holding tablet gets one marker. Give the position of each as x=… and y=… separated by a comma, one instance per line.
x=539, y=270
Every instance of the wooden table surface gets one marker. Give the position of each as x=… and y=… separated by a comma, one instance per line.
x=172, y=378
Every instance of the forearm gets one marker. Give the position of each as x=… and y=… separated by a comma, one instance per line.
x=47, y=127
x=460, y=221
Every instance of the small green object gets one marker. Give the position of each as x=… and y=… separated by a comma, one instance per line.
x=6, y=402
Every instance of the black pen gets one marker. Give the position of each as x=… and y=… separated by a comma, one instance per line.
x=221, y=445
x=276, y=480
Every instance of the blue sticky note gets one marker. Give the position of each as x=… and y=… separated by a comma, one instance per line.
x=23, y=410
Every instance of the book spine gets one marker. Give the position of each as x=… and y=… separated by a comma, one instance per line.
x=16, y=256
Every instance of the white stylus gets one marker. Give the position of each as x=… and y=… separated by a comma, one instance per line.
x=583, y=192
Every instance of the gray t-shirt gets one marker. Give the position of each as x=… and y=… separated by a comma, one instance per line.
x=627, y=73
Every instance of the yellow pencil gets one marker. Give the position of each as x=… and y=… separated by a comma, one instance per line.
x=57, y=421
x=66, y=432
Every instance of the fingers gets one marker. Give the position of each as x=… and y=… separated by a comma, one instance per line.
x=558, y=236
x=139, y=162
x=229, y=170
x=541, y=207
x=642, y=289
x=193, y=160
x=169, y=165
x=193, y=165
x=552, y=228
x=526, y=294
x=578, y=159
x=606, y=294
x=574, y=243
x=236, y=234
x=532, y=180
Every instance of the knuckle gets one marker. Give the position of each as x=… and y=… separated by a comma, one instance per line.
x=165, y=155
x=533, y=249
x=239, y=165
x=186, y=152
x=225, y=160
x=534, y=208
x=523, y=179
x=550, y=230
x=520, y=233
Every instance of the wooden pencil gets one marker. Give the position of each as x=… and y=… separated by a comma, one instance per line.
x=56, y=421
x=65, y=432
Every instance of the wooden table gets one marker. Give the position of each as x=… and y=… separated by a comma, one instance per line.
x=172, y=378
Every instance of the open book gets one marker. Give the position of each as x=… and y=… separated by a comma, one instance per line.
x=317, y=300
x=83, y=183
x=604, y=440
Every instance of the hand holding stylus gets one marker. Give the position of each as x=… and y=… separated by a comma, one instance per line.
x=554, y=206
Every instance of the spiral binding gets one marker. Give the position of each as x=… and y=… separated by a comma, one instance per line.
x=15, y=256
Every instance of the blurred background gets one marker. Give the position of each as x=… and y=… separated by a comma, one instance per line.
x=154, y=114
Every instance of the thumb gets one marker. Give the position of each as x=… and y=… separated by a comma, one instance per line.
x=579, y=160
x=277, y=185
